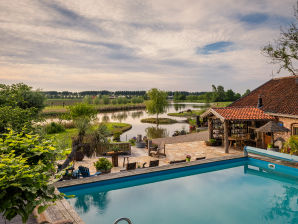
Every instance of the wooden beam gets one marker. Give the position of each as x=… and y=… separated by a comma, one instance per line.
x=210, y=128
x=226, y=136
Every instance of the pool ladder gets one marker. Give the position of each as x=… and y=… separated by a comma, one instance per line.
x=121, y=219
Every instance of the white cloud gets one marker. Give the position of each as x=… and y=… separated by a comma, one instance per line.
x=97, y=44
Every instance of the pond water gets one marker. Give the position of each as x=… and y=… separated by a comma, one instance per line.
x=151, y=130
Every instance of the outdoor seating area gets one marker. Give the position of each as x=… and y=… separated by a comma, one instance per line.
x=72, y=173
x=139, y=158
x=241, y=126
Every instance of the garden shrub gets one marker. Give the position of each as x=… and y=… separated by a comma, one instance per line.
x=27, y=163
x=103, y=164
x=54, y=127
x=116, y=137
x=291, y=145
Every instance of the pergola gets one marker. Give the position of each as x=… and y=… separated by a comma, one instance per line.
x=238, y=121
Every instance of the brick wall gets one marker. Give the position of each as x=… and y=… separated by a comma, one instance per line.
x=288, y=123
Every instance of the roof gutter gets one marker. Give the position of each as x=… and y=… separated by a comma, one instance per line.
x=282, y=115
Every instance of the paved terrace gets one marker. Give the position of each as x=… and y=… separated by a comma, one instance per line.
x=200, y=136
x=176, y=151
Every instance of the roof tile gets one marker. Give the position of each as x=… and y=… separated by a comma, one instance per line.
x=278, y=95
x=242, y=113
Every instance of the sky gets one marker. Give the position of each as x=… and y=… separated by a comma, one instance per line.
x=189, y=45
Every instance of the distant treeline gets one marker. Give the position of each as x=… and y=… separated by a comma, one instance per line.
x=67, y=94
x=73, y=95
x=218, y=94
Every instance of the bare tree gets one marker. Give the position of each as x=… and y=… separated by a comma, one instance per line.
x=283, y=51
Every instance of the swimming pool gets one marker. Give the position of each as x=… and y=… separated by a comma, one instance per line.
x=242, y=190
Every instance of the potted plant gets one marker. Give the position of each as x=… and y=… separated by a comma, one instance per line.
x=211, y=142
x=103, y=165
x=188, y=157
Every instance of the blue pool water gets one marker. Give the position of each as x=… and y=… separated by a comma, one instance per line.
x=237, y=191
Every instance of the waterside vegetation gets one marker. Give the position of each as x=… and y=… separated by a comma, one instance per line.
x=159, y=121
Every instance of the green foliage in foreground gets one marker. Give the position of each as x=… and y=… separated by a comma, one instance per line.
x=159, y=121
x=26, y=168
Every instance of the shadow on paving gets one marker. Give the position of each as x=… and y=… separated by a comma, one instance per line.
x=18, y=220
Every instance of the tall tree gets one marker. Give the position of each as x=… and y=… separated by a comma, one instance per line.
x=284, y=50
x=19, y=106
x=246, y=92
x=157, y=103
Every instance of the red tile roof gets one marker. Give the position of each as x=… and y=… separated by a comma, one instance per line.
x=278, y=95
x=241, y=113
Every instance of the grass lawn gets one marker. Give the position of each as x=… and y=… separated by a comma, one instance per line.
x=221, y=104
x=57, y=110
x=160, y=120
x=198, y=112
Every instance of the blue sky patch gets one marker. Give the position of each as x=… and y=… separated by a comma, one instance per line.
x=254, y=18
x=217, y=47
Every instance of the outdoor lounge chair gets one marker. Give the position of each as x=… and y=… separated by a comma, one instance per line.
x=154, y=163
x=84, y=172
x=177, y=161
x=131, y=166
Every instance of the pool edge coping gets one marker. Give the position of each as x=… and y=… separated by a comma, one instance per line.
x=88, y=180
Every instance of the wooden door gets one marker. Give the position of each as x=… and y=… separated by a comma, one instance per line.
x=268, y=139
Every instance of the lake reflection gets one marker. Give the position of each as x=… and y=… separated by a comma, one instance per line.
x=156, y=132
x=134, y=118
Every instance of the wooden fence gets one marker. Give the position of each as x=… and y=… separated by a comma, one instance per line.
x=124, y=147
